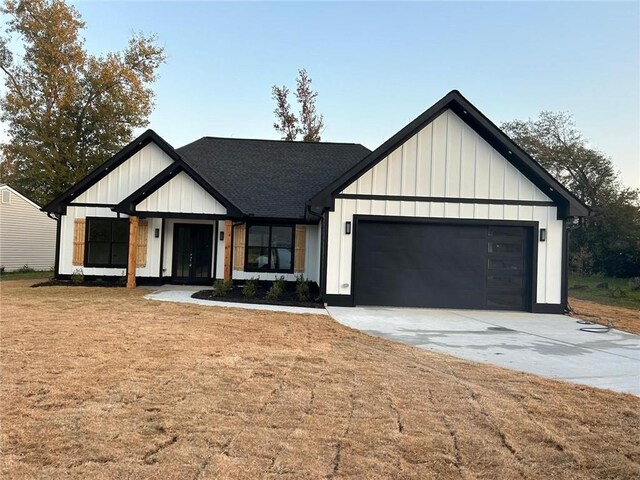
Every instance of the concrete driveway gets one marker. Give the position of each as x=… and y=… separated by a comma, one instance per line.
x=548, y=345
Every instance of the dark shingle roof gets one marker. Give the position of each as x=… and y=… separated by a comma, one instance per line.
x=270, y=178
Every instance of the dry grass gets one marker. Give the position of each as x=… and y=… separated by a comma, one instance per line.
x=100, y=383
x=621, y=318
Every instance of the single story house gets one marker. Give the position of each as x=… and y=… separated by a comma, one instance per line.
x=448, y=212
x=27, y=235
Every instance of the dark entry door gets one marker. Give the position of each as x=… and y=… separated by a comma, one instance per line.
x=192, y=246
x=443, y=265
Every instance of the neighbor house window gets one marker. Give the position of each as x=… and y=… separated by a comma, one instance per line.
x=269, y=248
x=107, y=242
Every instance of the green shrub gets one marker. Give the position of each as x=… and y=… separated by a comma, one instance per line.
x=221, y=288
x=634, y=284
x=581, y=262
x=617, y=292
x=603, y=285
x=250, y=288
x=77, y=277
x=25, y=269
x=302, y=288
x=277, y=289
x=580, y=286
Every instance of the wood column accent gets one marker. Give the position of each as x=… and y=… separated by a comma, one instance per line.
x=133, y=252
x=228, y=226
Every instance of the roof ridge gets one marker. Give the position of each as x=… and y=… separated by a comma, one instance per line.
x=302, y=142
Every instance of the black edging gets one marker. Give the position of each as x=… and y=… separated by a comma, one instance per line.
x=568, y=204
x=533, y=227
x=58, y=205
x=564, y=293
x=56, y=263
x=249, y=224
x=162, y=227
x=480, y=201
x=324, y=246
x=336, y=300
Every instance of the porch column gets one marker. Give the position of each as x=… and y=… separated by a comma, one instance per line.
x=133, y=251
x=228, y=226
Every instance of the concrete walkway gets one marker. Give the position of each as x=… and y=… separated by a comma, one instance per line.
x=548, y=345
x=182, y=294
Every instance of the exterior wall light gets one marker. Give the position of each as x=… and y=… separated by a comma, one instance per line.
x=156, y=233
x=347, y=228
x=543, y=234
x=221, y=236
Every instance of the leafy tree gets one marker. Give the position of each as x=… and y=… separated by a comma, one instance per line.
x=610, y=239
x=308, y=123
x=66, y=111
x=286, y=122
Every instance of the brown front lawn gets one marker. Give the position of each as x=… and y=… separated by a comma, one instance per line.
x=99, y=383
x=622, y=318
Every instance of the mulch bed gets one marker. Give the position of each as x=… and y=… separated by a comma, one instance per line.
x=289, y=298
x=69, y=283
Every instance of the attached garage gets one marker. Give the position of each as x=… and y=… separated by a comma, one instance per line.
x=443, y=264
x=447, y=213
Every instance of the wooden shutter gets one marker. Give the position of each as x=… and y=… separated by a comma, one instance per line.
x=79, y=226
x=301, y=242
x=143, y=235
x=239, y=238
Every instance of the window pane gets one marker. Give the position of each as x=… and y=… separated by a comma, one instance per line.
x=98, y=253
x=258, y=258
x=120, y=231
x=504, y=247
x=99, y=229
x=281, y=237
x=258, y=236
x=119, y=254
x=281, y=258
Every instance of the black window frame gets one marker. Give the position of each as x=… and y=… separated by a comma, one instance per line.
x=111, y=220
x=270, y=225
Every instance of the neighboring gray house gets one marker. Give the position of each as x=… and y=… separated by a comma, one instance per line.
x=27, y=235
x=448, y=212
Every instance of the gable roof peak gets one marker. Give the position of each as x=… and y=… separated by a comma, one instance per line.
x=568, y=203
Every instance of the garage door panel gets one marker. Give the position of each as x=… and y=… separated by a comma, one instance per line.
x=442, y=266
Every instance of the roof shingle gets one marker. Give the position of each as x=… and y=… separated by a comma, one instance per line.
x=270, y=178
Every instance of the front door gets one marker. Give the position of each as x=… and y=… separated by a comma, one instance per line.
x=192, y=246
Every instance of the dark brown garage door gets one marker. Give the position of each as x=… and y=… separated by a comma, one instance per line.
x=442, y=265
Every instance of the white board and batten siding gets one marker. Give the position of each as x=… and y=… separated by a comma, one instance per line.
x=66, y=267
x=27, y=235
x=447, y=159
x=127, y=177
x=181, y=194
x=111, y=190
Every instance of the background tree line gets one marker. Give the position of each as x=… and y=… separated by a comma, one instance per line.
x=608, y=242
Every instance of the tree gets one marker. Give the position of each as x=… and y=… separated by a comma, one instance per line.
x=610, y=239
x=66, y=111
x=308, y=123
x=286, y=122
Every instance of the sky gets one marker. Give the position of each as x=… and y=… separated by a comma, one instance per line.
x=376, y=66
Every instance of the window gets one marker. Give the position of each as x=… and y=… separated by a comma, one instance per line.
x=269, y=248
x=107, y=242
x=6, y=196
